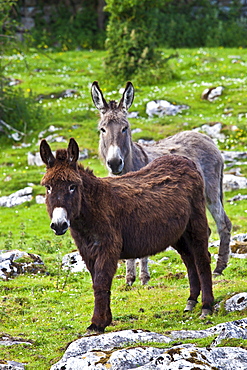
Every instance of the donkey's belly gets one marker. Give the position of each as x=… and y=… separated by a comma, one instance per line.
x=138, y=250
x=151, y=238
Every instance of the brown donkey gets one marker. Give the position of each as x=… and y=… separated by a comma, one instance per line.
x=121, y=155
x=136, y=215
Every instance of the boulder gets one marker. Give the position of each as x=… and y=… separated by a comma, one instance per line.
x=212, y=93
x=11, y=365
x=19, y=197
x=73, y=262
x=163, y=108
x=51, y=128
x=34, y=159
x=237, y=198
x=232, y=182
x=238, y=245
x=15, y=262
x=40, y=199
x=230, y=156
x=237, y=303
x=212, y=130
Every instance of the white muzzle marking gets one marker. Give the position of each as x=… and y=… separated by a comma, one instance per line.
x=113, y=152
x=114, y=157
x=60, y=217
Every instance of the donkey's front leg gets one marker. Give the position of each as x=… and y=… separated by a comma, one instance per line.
x=102, y=275
x=102, y=316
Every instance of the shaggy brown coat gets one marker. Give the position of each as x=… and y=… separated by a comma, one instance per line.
x=138, y=214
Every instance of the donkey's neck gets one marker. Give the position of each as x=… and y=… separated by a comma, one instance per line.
x=136, y=159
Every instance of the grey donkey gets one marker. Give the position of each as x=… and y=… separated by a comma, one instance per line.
x=121, y=155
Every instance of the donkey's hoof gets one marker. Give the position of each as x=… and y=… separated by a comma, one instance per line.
x=205, y=313
x=129, y=282
x=145, y=279
x=220, y=267
x=94, y=329
x=216, y=273
x=130, y=279
x=190, y=305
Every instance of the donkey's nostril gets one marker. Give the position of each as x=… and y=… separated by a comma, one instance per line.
x=64, y=226
x=52, y=226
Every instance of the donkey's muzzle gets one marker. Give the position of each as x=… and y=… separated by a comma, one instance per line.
x=59, y=229
x=116, y=165
x=59, y=222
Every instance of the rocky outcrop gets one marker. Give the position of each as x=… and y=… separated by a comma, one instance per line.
x=131, y=349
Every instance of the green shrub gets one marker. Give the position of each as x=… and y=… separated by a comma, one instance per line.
x=131, y=42
x=22, y=112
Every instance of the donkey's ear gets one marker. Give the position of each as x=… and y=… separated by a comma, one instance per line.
x=46, y=154
x=98, y=98
x=73, y=151
x=128, y=96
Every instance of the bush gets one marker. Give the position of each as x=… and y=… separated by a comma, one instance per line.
x=22, y=112
x=131, y=42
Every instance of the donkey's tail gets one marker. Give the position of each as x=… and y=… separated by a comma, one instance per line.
x=227, y=221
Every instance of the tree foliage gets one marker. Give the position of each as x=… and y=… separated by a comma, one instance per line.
x=198, y=23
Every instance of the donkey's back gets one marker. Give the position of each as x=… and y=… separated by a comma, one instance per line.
x=200, y=149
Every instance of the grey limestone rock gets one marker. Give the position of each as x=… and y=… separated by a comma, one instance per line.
x=131, y=349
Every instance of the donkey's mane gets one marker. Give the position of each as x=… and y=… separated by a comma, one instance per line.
x=61, y=154
x=112, y=104
x=81, y=168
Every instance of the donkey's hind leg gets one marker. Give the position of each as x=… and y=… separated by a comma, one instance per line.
x=130, y=271
x=144, y=273
x=224, y=229
x=195, y=287
x=193, y=248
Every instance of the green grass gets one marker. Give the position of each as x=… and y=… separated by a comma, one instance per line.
x=54, y=308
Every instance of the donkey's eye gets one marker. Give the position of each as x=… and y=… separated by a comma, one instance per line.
x=72, y=188
x=48, y=189
x=102, y=129
x=124, y=129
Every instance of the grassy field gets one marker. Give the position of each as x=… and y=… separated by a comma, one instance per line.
x=54, y=308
